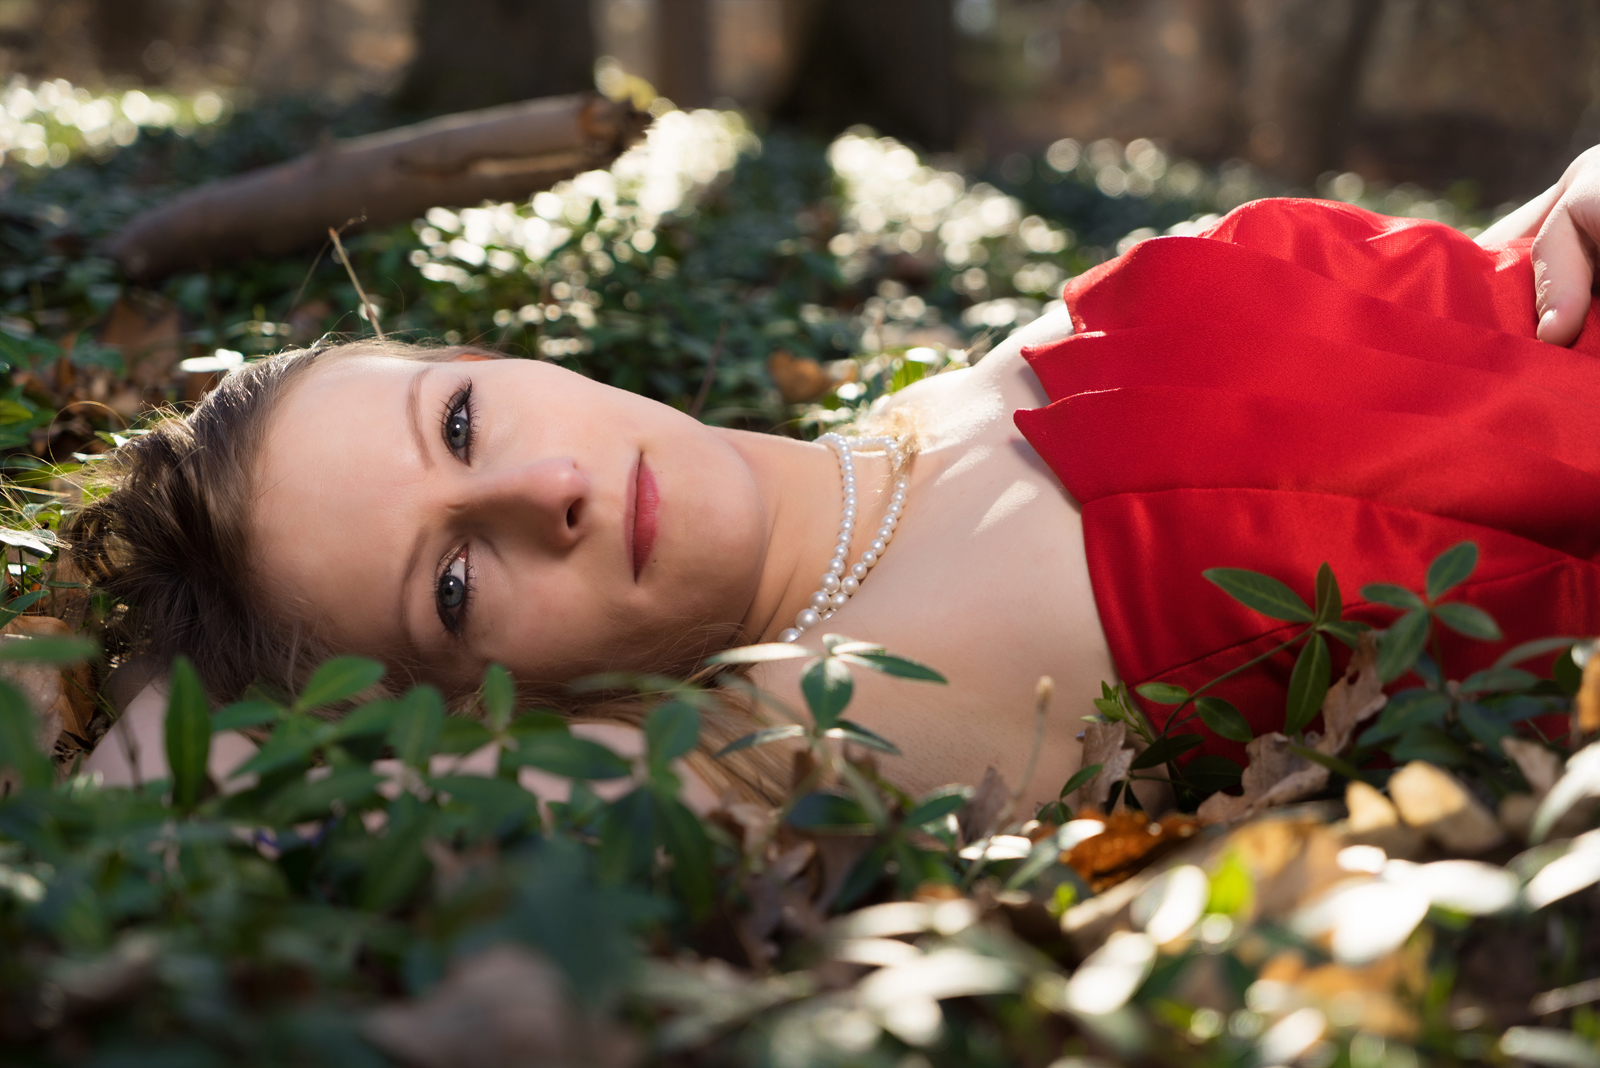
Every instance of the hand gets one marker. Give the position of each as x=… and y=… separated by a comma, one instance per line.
x=1564, y=223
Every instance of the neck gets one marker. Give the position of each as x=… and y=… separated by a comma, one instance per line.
x=802, y=498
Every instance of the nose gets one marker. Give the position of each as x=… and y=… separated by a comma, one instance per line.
x=544, y=500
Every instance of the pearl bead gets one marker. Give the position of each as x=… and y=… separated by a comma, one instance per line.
x=807, y=619
x=830, y=582
x=819, y=600
x=849, y=511
x=869, y=558
x=859, y=572
x=850, y=584
x=839, y=599
x=876, y=548
x=790, y=635
x=836, y=566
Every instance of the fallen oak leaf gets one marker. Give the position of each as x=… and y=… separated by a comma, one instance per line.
x=1103, y=744
x=1130, y=843
x=1275, y=776
x=1353, y=699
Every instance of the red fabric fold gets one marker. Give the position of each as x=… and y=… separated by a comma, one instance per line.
x=1310, y=382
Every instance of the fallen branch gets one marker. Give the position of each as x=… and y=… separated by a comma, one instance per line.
x=499, y=153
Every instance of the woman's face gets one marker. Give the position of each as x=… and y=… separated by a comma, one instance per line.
x=476, y=511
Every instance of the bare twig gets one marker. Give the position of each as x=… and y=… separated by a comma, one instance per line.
x=711, y=370
x=1042, y=693
x=372, y=311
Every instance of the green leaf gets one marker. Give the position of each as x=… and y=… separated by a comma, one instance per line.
x=398, y=863
x=1330, y=603
x=889, y=664
x=1430, y=744
x=291, y=743
x=1498, y=680
x=686, y=843
x=1079, y=777
x=1162, y=693
x=17, y=605
x=938, y=804
x=1162, y=750
x=1566, y=673
x=1261, y=592
x=1529, y=650
x=763, y=737
x=246, y=714
x=16, y=649
x=761, y=654
x=1484, y=726
x=314, y=799
x=829, y=812
x=460, y=735
x=338, y=680
x=499, y=697
x=566, y=755
x=671, y=731
x=1347, y=631
x=1468, y=620
x=1223, y=719
x=1402, y=643
x=374, y=717
x=18, y=749
x=1332, y=763
x=855, y=732
x=1208, y=773
x=1406, y=711
x=827, y=688
x=1393, y=596
x=1308, y=684
x=188, y=732
x=1451, y=568
x=418, y=720
x=498, y=807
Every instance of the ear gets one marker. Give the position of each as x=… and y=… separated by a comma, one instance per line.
x=471, y=357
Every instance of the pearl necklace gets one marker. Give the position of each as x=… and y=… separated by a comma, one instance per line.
x=836, y=586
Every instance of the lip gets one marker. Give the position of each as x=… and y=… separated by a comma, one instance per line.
x=640, y=523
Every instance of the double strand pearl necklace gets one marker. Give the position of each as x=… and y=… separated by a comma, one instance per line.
x=837, y=586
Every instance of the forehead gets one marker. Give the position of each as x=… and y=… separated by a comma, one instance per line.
x=337, y=470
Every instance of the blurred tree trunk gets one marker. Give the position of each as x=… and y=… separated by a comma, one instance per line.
x=683, y=52
x=888, y=63
x=477, y=53
x=1303, y=63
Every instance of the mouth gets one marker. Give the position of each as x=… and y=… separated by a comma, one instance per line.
x=640, y=523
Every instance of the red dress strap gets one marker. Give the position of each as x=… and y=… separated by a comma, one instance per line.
x=1311, y=382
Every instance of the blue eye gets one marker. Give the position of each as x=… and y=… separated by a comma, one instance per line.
x=457, y=426
x=453, y=592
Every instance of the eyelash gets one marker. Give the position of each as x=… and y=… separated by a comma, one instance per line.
x=453, y=617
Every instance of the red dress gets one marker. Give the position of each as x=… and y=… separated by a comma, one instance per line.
x=1311, y=382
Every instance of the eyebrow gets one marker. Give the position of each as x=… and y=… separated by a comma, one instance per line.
x=425, y=460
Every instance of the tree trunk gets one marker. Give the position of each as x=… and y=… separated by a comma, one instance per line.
x=683, y=52
x=477, y=53
x=496, y=154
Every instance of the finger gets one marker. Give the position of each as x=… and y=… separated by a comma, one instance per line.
x=1563, y=275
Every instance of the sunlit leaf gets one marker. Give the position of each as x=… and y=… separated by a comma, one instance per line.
x=1261, y=592
x=671, y=730
x=1401, y=644
x=855, y=732
x=1392, y=595
x=827, y=687
x=1468, y=620
x=1451, y=568
x=1308, y=684
x=763, y=737
x=188, y=733
x=1162, y=693
x=1223, y=719
x=338, y=680
x=1581, y=779
x=889, y=664
x=761, y=654
x=1162, y=750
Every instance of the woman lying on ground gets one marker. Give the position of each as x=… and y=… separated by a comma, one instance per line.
x=1308, y=382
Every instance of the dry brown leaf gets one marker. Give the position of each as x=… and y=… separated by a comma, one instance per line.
x=1103, y=744
x=1589, y=697
x=502, y=1006
x=1129, y=844
x=1538, y=764
x=1351, y=700
x=977, y=816
x=798, y=378
x=1274, y=776
x=1374, y=821
x=149, y=334
x=1435, y=803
